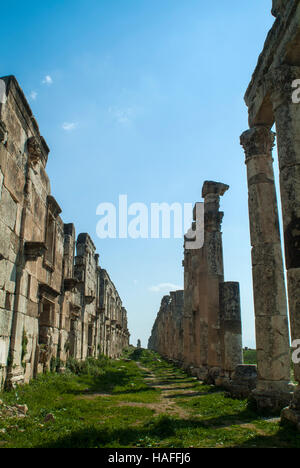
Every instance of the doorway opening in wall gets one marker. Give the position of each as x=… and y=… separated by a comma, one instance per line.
x=46, y=318
x=72, y=337
x=90, y=339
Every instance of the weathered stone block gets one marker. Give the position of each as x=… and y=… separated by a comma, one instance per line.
x=8, y=209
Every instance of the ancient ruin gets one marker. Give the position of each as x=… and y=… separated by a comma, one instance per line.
x=200, y=327
x=57, y=302
x=54, y=303
x=167, y=332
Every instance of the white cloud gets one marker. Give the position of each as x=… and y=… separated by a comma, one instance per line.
x=33, y=95
x=47, y=80
x=165, y=288
x=69, y=126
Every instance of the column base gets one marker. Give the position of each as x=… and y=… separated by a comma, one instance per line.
x=212, y=376
x=242, y=382
x=272, y=396
x=199, y=372
x=192, y=371
x=291, y=414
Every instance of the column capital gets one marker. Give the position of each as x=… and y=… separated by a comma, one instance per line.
x=214, y=188
x=257, y=141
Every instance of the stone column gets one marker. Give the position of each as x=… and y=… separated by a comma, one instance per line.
x=211, y=192
x=231, y=327
x=188, y=345
x=271, y=323
x=286, y=107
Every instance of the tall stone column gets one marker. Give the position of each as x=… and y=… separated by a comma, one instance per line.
x=188, y=329
x=271, y=323
x=286, y=107
x=211, y=192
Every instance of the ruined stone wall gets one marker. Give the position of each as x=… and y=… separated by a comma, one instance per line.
x=114, y=317
x=49, y=300
x=167, y=338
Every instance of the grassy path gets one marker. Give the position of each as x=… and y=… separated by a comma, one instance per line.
x=140, y=401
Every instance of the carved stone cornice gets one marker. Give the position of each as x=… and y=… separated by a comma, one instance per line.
x=46, y=290
x=75, y=311
x=53, y=206
x=89, y=299
x=34, y=250
x=34, y=148
x=258, y=141
x=70, y=284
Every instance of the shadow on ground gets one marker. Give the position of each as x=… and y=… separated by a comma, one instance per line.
x=162, y=429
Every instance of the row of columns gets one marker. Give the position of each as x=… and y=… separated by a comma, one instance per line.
x=271, y=314
x=212, y=335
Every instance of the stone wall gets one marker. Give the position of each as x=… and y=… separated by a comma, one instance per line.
x=200, y=328
x=167, y=332
x=51, y=301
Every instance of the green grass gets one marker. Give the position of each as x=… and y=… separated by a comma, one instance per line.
x=250, y=356
x=105, y=403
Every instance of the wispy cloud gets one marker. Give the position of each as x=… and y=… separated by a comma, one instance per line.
x=165, y=288
x=33, y=95
x=69, y=126
x=47, y=80
x=123, y=116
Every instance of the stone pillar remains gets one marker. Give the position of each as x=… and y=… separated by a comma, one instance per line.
x=273, y=97
x=201, y=329
x=211, y=192
x=287, y=118
x=231, y=328
x=271, y=322
x=203, y=273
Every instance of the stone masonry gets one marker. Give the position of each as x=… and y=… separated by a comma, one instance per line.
x=167, y=332
x=56, y=301
x=202, y=330
x=270, y=101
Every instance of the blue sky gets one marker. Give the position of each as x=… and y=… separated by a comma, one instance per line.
x=143, y=98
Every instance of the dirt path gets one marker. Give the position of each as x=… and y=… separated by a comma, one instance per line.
x=166, y=405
